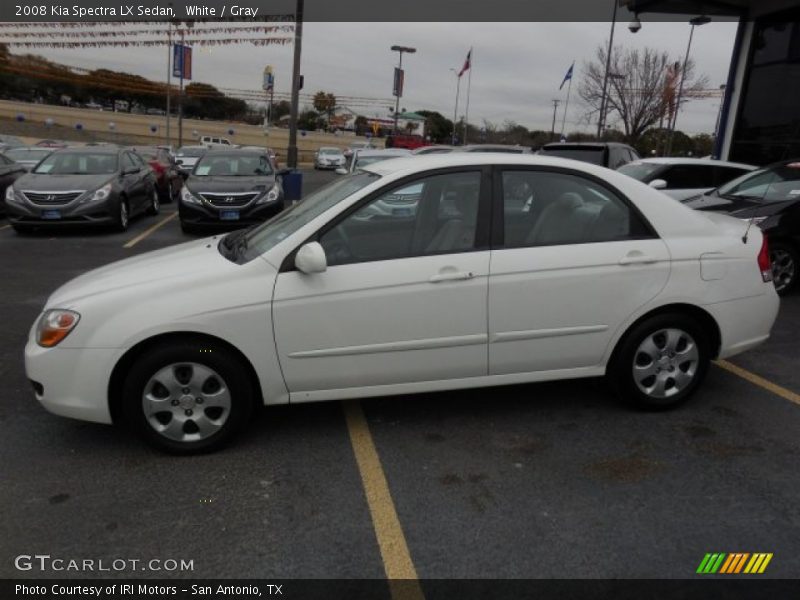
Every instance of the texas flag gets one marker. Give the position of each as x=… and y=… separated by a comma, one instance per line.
x=568, y=76
x=466, y=66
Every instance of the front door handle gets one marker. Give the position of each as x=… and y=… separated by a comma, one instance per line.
x=452, y=276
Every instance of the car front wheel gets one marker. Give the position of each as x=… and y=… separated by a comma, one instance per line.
x=660, y=362
x=123, y=216
x=187, y=397
x=784, y=267
x=155, y=204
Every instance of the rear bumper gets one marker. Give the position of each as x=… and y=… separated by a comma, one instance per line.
x=745, y=323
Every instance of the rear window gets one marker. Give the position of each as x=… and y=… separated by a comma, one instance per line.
x=590, y=155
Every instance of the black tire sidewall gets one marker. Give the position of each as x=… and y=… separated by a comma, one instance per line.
x=620, y=374
x=211, y=355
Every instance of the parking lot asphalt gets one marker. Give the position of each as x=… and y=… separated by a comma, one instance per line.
x=537, y=481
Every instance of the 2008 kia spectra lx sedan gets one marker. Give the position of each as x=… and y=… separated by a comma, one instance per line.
x=510, y=269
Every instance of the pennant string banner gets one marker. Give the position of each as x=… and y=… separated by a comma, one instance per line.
x=270, y=41
x=189, y=33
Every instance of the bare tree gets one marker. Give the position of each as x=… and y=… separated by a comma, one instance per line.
x=638, y=90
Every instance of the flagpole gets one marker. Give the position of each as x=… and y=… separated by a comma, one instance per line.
x=455, y=110
x=469, y=85
x=566, y=104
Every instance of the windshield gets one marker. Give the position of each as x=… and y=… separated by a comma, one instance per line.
x=78, y=163
x=639, y=170
x=765, y=185
x=233, y=165
x=266, y=236
x=590, y=155
x=27, y=153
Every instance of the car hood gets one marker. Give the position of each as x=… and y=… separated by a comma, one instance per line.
x=58, y=183
x=171, y=265
x=229, y=185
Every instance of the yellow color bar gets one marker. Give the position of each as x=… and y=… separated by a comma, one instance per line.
x=756, y=558
x=765, y=563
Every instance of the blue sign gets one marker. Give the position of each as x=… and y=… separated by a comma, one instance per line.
x=181, y=61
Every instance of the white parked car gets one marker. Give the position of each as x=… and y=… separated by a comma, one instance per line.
x=683, y=178
x=215, y=142
x=511, y=269
x=329, y=158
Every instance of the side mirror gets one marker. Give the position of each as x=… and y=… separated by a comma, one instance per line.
x=311, y=258
x=341, y=171
x=658, y=184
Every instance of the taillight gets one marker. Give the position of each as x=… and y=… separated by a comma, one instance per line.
x=764, y=263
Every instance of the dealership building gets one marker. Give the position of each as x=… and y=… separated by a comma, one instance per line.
x=760, y=117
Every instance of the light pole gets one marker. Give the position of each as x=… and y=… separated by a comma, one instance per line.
x=719, y=113
x=618, y=77
x=398, y=79
x=187, y=25
x=556, y=102
x=455, y=111
x=605, y=75
x=695, y=22
x=291, y=151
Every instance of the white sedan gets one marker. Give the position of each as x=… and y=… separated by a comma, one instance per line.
x=510, y=269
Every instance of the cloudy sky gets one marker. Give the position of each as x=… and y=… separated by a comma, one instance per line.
x=516, y=69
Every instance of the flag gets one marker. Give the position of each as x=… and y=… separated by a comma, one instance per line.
x=466, y=66
x=568, y=76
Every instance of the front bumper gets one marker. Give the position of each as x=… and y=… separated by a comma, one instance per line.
x=89, y=213
x=74, y=381
x=204, y=215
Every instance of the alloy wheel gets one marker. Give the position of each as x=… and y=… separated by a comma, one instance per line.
x=784, y=268
x=186, y=402
x=123, y=215
x=665, y=363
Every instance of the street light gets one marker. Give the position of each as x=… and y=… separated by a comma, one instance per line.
x=605, y=76
x=694, y=22
x=398, y=79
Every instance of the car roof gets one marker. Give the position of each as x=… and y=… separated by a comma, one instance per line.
x=671, y=160
x=330, y=148
x=488, y=147
x=385, y=152
x=232, y=151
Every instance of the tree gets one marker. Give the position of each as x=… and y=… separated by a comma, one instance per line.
x=308, y=120
x=324, y=103
x=281, y=109
x=437, y=127
x=636, y=94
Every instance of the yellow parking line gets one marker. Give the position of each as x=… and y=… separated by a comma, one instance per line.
x=147, y=232
x=760, y=381
x=403, y=580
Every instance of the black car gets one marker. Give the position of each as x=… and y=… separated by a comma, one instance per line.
x=606, y=154
x=96, y=185
x=769, y=198
x=230, y=188
x=9, y=173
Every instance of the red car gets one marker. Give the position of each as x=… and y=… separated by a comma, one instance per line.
x=168, y=178
x=406, y=140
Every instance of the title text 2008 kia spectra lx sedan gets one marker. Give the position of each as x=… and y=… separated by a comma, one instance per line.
x=509, y=269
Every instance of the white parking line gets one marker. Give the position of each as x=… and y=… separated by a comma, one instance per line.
x=147, y=232
x=4, y=227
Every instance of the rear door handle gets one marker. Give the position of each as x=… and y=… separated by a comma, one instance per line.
x=637, y=258
x=452, y=276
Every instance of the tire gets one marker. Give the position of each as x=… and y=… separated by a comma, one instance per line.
x=155, y=204
x=187, y=397
x=784, y=261
x=22, y=229
x=660, y=362
x=188, y=229
x=123, y=215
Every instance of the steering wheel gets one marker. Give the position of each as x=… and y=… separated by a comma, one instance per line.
x=338, y=249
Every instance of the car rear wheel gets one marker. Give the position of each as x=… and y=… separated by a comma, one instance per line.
x=784, y=267
x=123, y=215
x=155, y=204
x=660, y=363
x=187, y=397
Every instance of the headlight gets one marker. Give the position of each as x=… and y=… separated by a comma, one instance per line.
x=98, y=195
x=188, y=197
x=11, y=195
x=272, y=195
x=54, y=325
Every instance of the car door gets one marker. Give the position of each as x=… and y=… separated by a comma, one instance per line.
x=404, y=296
x=138, y=181
x=570, y=263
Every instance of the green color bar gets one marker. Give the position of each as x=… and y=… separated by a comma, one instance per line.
x=703, y=563
x=718, y=563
